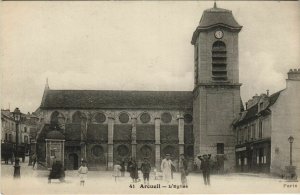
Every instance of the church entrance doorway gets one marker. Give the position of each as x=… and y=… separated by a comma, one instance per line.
x=73, y=159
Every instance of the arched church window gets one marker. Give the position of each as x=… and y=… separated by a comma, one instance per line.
x=219, y=64
x=188, y=118
x=146, y=151
x=169, y=150
x=100, y=118
x=123, y=117
x=122, y=150
x=97, y=151
x=54, y=117
x=145, y=118
x=77, y=117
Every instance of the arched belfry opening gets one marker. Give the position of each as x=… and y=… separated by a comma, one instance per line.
x=219, y=61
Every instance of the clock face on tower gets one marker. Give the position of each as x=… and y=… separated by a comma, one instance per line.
x=219, y=34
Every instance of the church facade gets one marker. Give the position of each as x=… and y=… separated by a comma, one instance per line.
x=106, y=127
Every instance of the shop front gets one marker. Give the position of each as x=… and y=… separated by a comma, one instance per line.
x=253, y=156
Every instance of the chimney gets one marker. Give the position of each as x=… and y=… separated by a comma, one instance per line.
x=246, y=105
x=268, y=92
x=255, y=98
x=294, y=74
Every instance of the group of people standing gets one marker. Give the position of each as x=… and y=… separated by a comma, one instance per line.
x=167, y=168
x=132, y=168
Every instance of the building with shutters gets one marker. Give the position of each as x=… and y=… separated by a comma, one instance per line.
x=263, y=129
x=27, y=127
x=105, y=127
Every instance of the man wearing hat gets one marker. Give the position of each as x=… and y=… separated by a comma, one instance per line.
x=205, y=167
x=166, y=168
x=146, y=168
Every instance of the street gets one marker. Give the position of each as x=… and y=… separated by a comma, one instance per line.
x=100, y=182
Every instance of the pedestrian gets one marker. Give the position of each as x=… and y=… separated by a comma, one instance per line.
x=12, y=159
x=117, y=171
x=205, y=167
x=166, y=167
x=123, y=168
x=146, y=168
x=83, y=170
x=57, y=171
x=129, y=165
x=134, y=171
x=183, y=169
x=33, y=158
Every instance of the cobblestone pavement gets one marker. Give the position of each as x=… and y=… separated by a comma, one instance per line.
x=35, y=182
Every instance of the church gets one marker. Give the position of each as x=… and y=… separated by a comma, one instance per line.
x=108, y=126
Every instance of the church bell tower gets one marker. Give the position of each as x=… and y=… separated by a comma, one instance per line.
x=216, y=91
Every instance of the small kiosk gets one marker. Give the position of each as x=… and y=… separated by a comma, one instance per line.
x=54, y=148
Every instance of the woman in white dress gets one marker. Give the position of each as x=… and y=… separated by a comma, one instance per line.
x=117, y=171
x=166, y=168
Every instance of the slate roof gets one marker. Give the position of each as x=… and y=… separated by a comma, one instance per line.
x=216, y=17
x=251, y=113
x=273, y=98
x=108, y=99
x=55, y=135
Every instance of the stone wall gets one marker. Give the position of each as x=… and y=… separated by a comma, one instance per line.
x=285, y=123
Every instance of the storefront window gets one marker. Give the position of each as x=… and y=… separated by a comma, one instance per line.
x=264, y=155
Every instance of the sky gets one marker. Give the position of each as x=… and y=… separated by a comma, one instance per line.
x=134, y=45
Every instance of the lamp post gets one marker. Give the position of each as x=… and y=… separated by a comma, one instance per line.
x=17, y=118
x=291, y=140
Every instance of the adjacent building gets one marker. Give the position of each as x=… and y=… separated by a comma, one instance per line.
x=263, y=129
x=27, y=127
x=8, y=127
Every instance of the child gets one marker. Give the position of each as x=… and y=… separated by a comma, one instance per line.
x=146, y=168
x=117, y=171
x=83, y=170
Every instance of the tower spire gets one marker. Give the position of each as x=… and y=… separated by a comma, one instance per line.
x=215, y=4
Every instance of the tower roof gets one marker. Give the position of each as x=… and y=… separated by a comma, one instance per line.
x=216, y=17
